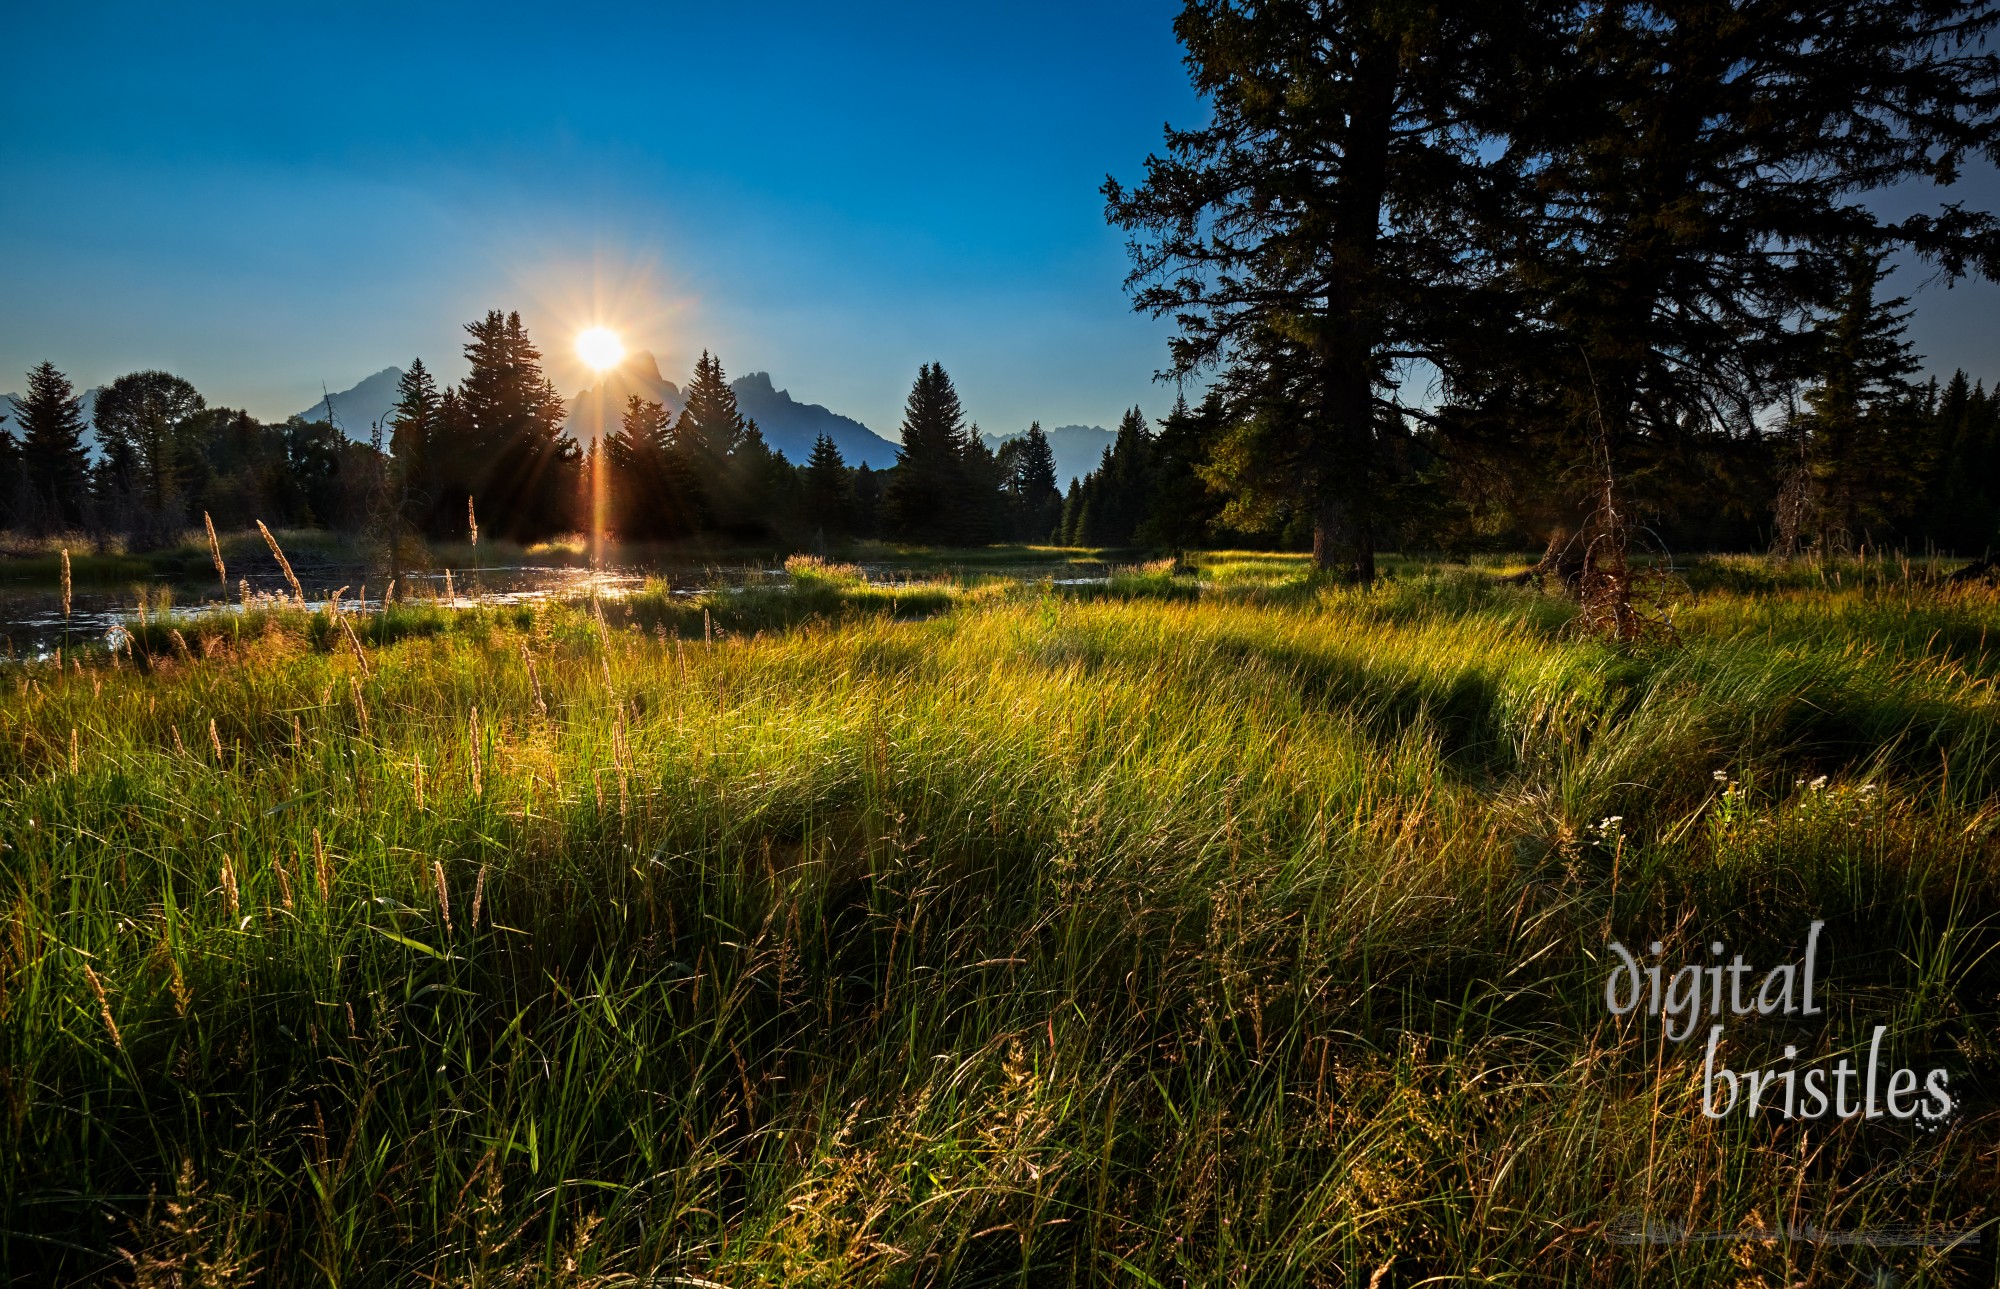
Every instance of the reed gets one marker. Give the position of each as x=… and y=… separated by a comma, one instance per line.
x=215, y=552
x=298, y=592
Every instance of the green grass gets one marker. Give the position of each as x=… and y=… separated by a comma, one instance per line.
x=1210, y=928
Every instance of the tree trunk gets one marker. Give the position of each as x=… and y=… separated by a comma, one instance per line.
x=1345, y=466
x=1342, y=540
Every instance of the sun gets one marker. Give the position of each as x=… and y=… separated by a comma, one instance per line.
x=601, y=348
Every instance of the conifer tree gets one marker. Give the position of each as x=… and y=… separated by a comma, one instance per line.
x=1960, y=507
x=924, y=500
x=1862, y=469
x=1701, y=175
x=52, y=454
x=1317, y=228
x=828, y=490
x=710, y=425
x=709, y=431
x=654, y=494
x=1181, y=509
x=516, y=460
x=982, y=500
x=763, y=487
x=415, y=439
x=1031, y=482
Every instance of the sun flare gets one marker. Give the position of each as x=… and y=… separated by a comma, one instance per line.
x=601, y=348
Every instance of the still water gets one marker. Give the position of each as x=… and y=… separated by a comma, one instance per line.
x=32, y=622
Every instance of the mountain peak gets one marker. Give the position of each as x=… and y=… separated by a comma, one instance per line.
x=354, y=410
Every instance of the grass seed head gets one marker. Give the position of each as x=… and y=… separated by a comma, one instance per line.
x=322, y=869
x=215, y=552
x=443, y=893
x=104, y=1006
x=298, y=591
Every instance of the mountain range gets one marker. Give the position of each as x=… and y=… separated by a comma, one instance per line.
x=1078, y=449
x=787, y=424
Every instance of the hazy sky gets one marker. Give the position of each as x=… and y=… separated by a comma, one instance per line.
x=266, y=197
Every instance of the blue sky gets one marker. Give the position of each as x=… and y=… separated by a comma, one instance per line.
x=266, y=197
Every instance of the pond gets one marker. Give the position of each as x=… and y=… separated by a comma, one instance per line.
x=32, y=624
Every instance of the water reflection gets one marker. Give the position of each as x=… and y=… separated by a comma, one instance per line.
x=33, y=625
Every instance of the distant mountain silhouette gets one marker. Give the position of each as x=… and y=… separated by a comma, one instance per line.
x=357, y=410
x=791, y=426
x=787, y=424
x=1078, y=449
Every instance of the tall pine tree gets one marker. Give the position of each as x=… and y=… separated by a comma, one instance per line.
x=519, y=465
x=1861, y=460
x=1031, y=484
x=654, y=493
x=53, y=458
x=924, y=500
x=828, y=490
x=1318, y=229
x=709, y=431
x=416, y=436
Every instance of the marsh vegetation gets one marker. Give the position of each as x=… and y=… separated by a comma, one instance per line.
x=1211, y=925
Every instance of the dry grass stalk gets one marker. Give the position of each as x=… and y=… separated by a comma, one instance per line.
x=443, y=893
x=472, y=522
x=229, y=890
x=354, y=643
x=215, y=552
x=472, y=729
x=180, y=644
x=322, y=869
x=450, y=595
x=104, y=1006
x=478, y=896
x=420, y=783
x=72, y=750
x=297, y=591
x=66, y=584
x=243, y=590
x=389, y=595
x=179, y=746
x=284, y=882
x=360, y=703
x=215, y=739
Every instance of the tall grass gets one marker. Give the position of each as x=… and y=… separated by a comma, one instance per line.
x=1241, y=931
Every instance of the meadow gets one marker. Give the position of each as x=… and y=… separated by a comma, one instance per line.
x=1205, y=926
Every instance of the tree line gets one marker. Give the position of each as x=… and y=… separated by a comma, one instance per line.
x=492, y=450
